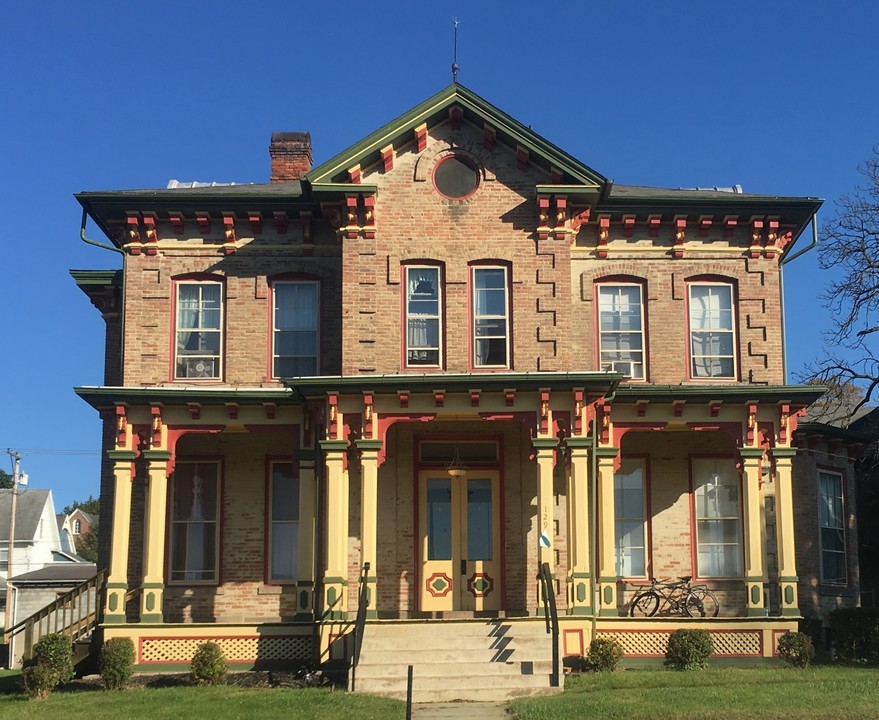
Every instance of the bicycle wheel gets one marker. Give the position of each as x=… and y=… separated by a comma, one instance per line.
x=701, y=603
x=644, y=604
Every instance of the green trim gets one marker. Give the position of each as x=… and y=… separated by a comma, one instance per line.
x=157, y=455
x=117, y=586
x=817, y=428
x=306, y=455
x=433, y=111
x=753, y=611
x=317, y=387
x=336, y=615
x=783, y=452
x=334, y=445
x=580, y=610
x=607, y=452
x=733, y=392
x=108, y=397
x=304, y=583
x=335, y=579
x=91, y=279
x=790, y=612
x=345, y=188
x=152, y=618
x=788, y=578
x=751, y=453
x=114, y=619
x=582, y=575
x=755, y=579
x=609, y=612
x=579, y=442
x=544, y=443
x=121, y=455
x=368, y=444
x=153, y=586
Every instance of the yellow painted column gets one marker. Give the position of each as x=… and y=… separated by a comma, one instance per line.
x=369, y=450
x=155, y=530
x=784, y=524
x=545, y=449
x=607, y=572
x=117, y=578
x=579, y=529
x=305, y=575
x=755, y=574
x=335, y=580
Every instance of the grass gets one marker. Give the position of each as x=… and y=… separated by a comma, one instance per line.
x=215, y=703
x=729, y=694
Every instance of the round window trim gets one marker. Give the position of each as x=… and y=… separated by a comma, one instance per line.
x=456, y=177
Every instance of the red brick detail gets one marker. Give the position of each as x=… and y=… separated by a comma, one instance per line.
x=421, y=137
x=404, y=399
x=333, y=405
x=194, y=410
x=561, y=216
x=439, y=398
x=232, y=411
x=255, y=222
x=705, y=225
x=291, y=155
x=542, y=217
x=305, y=223
x=641, y=407
x=281, y=222
x=367, y=415
x=456, y=114
x=369, y=217
x=151, y=233
x=204, y=222
x=680, y=236
x=555, y=176
x=388, y=157
x=509, y=398
x=121, y=426
x=474, y=398
x=628, y=225
x=544, y=412
x=714, y=407
x=230, y=238
x=578, y=412
x=603, y=234
x=751, y=435
x=270, y=410
x=522, y=158
x=176, y=223
x=156, y=426
x=488, y=137
x=580, y=219
x=677, y=407
x=729, y=225
x=355, y=174
x=653, y=222
x=757, y=225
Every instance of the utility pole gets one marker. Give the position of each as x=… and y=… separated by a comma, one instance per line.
x=7, y=620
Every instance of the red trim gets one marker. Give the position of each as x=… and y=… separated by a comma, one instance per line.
x=576, y=636
x=197, y=277
x=388, y=158
x=653, y=223
x=291, y=277
x=142, y=640
x=421, y=137
x=652, y=630
x=489, y=264
x=732, y=283
x=404, y=327
x=464, y=159
x=616, y=280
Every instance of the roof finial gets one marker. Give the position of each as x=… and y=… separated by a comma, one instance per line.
x=455, y=56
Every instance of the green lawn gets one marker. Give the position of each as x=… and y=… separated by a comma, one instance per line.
x=215, y=703
x=727, y=694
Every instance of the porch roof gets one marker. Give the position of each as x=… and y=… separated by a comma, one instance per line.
x=105, y=397
x=797, y=395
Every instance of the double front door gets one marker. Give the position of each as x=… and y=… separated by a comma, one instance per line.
x=460, y=541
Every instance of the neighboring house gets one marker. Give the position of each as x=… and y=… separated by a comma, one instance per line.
x=37, y=539
x=73, y=527
x=454, y=353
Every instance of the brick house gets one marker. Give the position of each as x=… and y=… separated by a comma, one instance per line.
x=452, y=353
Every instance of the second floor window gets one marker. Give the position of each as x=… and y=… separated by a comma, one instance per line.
x=831, y=518
x=712, y=331
x=295, y=333
x=199, y=335
x=621, y=330
x=423, y=320
x=491, y=310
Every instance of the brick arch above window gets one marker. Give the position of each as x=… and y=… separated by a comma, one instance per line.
x=432, y=156
x=608, y=272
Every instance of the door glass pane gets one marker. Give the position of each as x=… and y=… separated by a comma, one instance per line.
x=439, y=519
x=479, y=519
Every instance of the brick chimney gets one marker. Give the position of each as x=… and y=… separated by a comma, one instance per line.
x=291, y=155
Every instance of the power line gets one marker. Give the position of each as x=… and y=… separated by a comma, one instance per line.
x=53, y=451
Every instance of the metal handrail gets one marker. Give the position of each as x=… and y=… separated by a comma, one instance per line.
x=552, y=619
x=360, y=622
x=71, y=614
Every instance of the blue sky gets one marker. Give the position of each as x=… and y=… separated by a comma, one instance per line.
x=780, y=97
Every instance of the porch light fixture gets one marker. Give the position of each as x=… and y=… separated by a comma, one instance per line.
x=456, y=468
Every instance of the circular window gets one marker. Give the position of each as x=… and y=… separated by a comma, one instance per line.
x=456, y=177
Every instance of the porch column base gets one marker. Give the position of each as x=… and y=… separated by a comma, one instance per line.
x=608, y=597
x=756, y=600
x=579, y=593
x=114, y=604
x=789, y=601
x=304, y=600
x=334, y=594
x=151, y=603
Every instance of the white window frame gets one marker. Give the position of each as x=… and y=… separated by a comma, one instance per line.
x=183, y=359
x=419, y=317
x=831, y=519
x=611, y=358
x=478, y=318
x=190, y=575
x=625, y=551
x=279, y=518
x=720, y=477
x=709, y=326
x=312, y=325
x=77, y=526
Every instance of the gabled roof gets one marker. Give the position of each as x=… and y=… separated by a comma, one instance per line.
x=476, y=111
x=28, y=512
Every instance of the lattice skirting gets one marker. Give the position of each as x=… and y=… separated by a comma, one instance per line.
x=237, y=649
x=653, y=643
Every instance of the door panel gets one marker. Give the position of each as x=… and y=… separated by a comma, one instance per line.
x=460, y=544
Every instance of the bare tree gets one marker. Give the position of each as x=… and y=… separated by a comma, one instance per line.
x=850, y=247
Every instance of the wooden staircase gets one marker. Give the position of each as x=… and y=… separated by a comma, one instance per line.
x=76, y=614
x=473, y=660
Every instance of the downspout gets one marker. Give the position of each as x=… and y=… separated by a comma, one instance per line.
x=593, y=512
x=785, y=261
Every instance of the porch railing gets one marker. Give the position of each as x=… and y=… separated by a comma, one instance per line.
x=76, y=614
x=552, y=618
x=360, y=622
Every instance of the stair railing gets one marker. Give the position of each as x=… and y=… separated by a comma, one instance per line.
x=76, y=614
x=360, y=622
x=552, y=618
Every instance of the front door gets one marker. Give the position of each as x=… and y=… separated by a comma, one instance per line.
x=460, y=541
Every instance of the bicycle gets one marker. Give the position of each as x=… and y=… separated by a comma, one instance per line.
x=674, y=597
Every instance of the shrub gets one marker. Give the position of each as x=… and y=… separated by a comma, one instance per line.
x=52, y=665
x=208, y=665
x=605, y=654
x=116, y=662
x=796, y=649
x=688, y=649
x=855, y=634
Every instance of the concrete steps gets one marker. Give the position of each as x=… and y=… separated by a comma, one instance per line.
x=472, y=660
